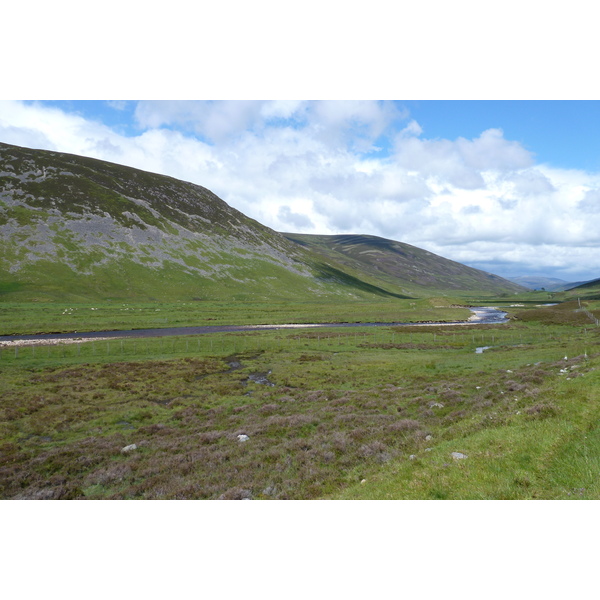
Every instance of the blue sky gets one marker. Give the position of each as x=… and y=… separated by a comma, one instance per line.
x=510, y=187
x=561, y=133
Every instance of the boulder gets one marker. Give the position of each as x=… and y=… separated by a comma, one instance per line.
x=458, y=455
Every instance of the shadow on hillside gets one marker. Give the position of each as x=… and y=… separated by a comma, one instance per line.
x=332, y=275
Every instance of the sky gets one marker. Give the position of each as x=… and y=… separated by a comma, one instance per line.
x=510, y=187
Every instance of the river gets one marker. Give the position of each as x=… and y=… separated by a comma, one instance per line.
x=482, y=315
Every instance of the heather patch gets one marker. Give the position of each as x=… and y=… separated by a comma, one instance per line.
x=299, y=417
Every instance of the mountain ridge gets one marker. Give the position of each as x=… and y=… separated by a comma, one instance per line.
x=400, y=262
x=549, y=284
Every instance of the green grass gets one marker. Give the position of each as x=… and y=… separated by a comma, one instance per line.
x=39, y=317
x=42, y=313
x=345, y=406
x=329, y=413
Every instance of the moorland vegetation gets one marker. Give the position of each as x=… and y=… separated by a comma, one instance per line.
x=394, y=412
x=356, y=413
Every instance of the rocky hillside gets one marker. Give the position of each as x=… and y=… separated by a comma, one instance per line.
x=83, y=229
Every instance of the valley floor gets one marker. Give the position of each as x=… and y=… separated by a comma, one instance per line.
x=390, y=413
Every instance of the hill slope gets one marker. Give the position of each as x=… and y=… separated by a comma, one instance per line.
x=75, y=228
x=412, y=269
x=589, y=290
x=78, y=227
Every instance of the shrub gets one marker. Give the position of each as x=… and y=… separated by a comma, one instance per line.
x=542, y=410
x=404, y=425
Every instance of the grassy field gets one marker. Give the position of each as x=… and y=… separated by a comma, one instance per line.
x=23, y=318
x=42, y=317
x=331, y=413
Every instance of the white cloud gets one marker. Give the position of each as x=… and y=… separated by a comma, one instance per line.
x=283, y=109
x=117, y=104
x=460, y=163
x=413, y=128
x=530, y=182
x=24, y=136
x=490, y=151
x=590, y=203
x=307, y=167
x=288, y=217
x=47, y=128
x=214, y=120
x=360, y=122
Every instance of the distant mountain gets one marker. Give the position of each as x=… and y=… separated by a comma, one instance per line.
x=75, y=228
x=549, y=284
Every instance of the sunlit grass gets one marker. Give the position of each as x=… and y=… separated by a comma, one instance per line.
x=26, y=318
x=324, y=410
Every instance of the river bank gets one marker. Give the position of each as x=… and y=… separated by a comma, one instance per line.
x=482, y=315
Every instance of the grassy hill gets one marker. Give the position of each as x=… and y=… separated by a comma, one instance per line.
x=411, y=270
x=590, y=290
x=78, y=229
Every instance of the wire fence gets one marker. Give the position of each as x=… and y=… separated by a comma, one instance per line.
x=591, y=316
